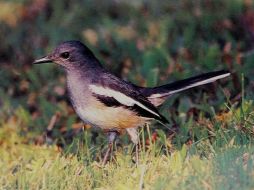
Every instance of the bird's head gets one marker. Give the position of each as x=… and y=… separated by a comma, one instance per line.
x=71, y=55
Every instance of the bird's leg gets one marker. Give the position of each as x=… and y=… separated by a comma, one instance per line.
x=137, y=151
x=111, y=138
x=135, y=139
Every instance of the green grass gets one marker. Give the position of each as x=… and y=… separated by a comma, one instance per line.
x=42, y=167
x=219, y=161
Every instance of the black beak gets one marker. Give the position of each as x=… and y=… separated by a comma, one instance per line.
x=45, y=59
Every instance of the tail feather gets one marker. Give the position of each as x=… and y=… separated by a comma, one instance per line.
x=158, y=95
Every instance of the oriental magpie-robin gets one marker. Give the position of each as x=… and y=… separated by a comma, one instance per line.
x=103, y=100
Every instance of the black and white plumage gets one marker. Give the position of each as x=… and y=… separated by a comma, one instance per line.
x=122, y=97
x=158, y=95
x=106, y=101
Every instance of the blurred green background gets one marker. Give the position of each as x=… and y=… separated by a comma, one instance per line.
x=148, y=43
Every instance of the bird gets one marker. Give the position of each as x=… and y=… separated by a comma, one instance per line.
x=105, y=101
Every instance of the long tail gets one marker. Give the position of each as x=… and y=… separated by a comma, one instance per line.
x=158, y=95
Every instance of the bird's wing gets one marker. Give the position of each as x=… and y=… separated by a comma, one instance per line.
x=114, y=92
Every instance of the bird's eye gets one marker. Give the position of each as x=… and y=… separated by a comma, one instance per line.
x=65, y=55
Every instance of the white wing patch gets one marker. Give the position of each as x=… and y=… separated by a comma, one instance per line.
x=190, y=86
x=120, y=97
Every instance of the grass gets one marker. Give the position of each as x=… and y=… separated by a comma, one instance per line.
x=219, y=161
x=36, y=167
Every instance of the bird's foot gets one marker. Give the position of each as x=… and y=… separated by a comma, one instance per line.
x=111, y=139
